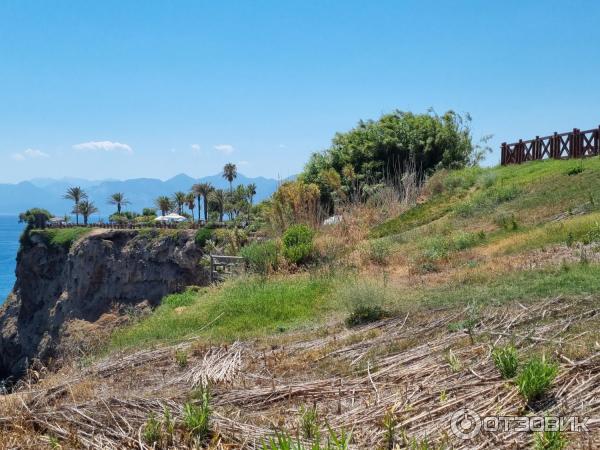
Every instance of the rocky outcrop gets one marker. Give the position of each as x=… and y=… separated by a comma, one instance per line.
x=100, y=276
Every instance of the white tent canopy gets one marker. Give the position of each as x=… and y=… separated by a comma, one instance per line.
x=170, y=218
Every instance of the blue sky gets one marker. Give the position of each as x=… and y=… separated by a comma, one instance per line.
x=123, y=89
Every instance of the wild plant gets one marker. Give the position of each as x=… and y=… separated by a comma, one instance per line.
x=506, y=360
x=196, y=417
x=152, y=430
x=453, y=361
x=536, y=378
x=389, y=423
x=549, y=440
x=309, y=422
x=181, y=358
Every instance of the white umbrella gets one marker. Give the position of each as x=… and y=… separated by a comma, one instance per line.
x=175, y=218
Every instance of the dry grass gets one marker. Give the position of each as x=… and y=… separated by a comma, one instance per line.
x=352, y=376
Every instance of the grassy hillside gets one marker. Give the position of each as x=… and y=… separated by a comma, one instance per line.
x=483, y=295
x=490, y=236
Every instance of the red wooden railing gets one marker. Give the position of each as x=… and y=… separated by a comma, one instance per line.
x=574, y=144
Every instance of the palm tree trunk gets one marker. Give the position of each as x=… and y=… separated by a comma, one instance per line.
x=76, y=213
x=205, y=197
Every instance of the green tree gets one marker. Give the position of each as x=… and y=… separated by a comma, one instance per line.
x=86, y=209
x=76, y=194
x=202, y=190
x=377, y=151
x=190, y=200
x=230, y=174
x=180, y=199
x=251, y=189
x=35, y=218
x=217, y=199
x=164, y=204
x=119, y=200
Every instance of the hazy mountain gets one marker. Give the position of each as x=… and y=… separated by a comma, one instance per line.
x=141, y=192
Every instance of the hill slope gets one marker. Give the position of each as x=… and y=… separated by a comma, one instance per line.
x=488, y=259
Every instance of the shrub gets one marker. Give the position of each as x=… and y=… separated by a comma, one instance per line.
x=202, y=236
x=506, y=360
x=298, y=243
x=379, y=251
x=549, y=440
x=363, y=314
x=261, y=257
x=536, y=378
x=365, y=303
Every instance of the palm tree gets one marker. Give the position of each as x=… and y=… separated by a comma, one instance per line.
x=86, y=209
x=179, y=198
x=251, y=190
x=217, y=197
x=230, y=174
x=190, y=200
x=77, y=195
x=203, y=190
x=118, y=199
x=164, y=203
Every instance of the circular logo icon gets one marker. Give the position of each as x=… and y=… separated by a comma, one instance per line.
x=465, y=424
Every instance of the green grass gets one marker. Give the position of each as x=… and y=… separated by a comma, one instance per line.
x=529, y=192
x=256, y=307
x=585, y=229
x=536, y=378
x=246, y=308
x=61, y=237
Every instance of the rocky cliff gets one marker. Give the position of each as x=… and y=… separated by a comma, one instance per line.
x=65, y=290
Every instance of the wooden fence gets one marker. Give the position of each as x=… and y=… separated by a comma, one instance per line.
x=574, y=144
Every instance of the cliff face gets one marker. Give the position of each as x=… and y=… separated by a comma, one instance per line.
x=100, y=276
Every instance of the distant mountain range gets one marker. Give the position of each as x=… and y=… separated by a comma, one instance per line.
x=47, y=193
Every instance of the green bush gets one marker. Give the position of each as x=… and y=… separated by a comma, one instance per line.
x=379, y=251
x=365, y=302
x=202, y=236
x=506, y=360
x=364, y=314
x=261, y=257
x=536, y=378
x=298, y=244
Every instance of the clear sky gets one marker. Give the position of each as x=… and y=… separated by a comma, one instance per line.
x=123, y=89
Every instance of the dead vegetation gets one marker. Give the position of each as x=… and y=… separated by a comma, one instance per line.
x=411, y=371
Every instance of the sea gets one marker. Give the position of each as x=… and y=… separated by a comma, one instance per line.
x=10, y=230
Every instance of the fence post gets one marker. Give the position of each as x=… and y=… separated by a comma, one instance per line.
x=503, y=154
x=597, y=142
x=554, y=146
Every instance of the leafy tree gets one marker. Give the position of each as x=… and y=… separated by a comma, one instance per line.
x=180, y=199
x=76, y=194
x=164, y=204
x=86, y=209
x=217, y=200
x=377, y=151
x=35, y=218
x=119, y=200
x=203, y=190
x=230, y=174
x=190, y=200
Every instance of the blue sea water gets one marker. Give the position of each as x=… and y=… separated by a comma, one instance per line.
x=10, y=230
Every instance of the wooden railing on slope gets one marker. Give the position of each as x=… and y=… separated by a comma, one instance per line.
x=574, y=144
